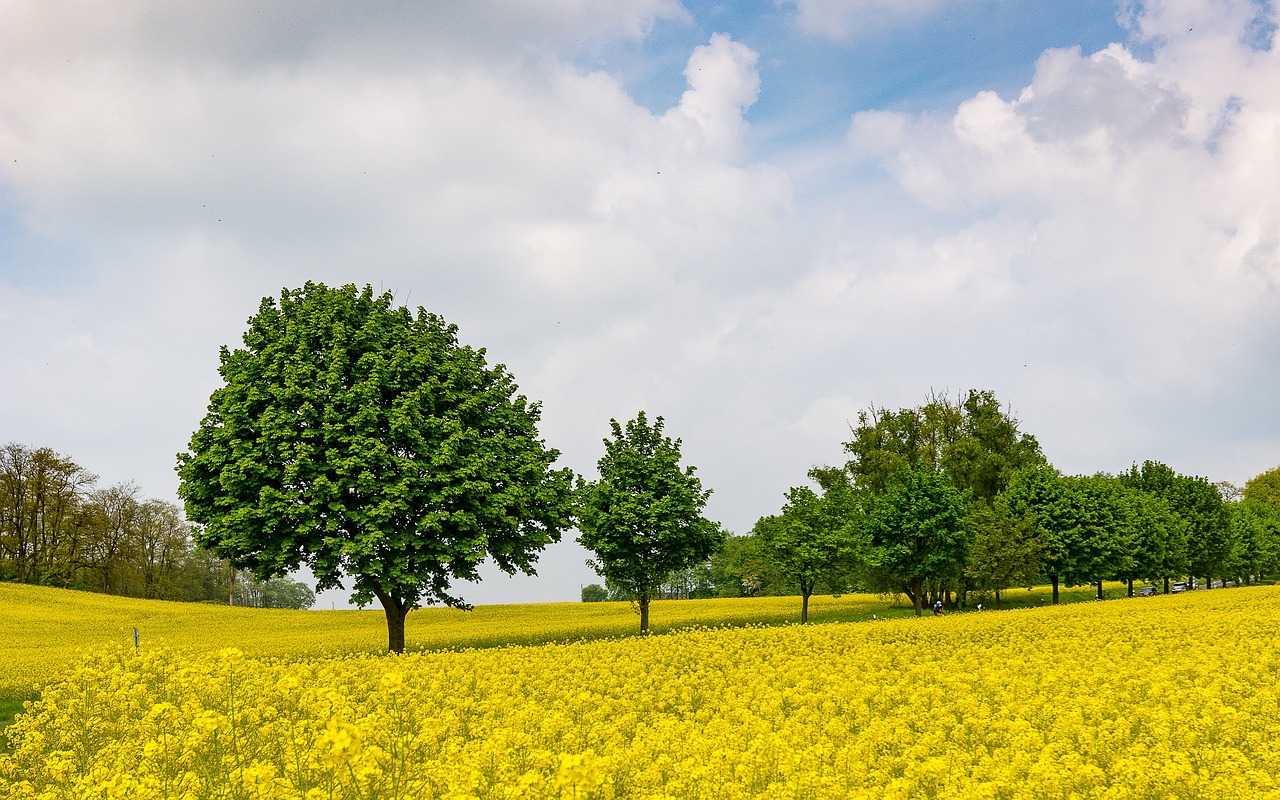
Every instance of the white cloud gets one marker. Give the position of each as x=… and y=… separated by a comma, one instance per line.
x=1143, y=232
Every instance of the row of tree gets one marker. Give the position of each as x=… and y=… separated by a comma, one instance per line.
x=58, y=528
x=950, y=497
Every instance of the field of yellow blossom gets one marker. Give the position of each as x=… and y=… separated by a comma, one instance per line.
x=1163, y=697
x=46, y=630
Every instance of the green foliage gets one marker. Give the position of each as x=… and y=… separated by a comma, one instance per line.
x=1210, y=543
x=1256, y=526
x=1084, y=522
x=1006, y=550
x=643, y=518
x=973, y=442
x=918, y=531
x=594, y=593
x=364, y=441
x=1264, y=488
x=739, y=569
x=1155, y=543
x=816, y=539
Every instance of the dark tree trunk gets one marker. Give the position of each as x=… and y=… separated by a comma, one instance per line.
x=997, y=599
x=396, y=610
x=644, y=613
x=1099, y=590
x=917, y=592
x=1166, y=584
x=805, y=591
x=1055, y=589
x=1131, y=587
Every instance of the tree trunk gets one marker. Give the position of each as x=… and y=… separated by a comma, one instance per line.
x=1055, y=589
x=1099, y=590
x=805, y=591
x=1131, y=587
x=917, y=590
x=644, y=613
x=396, y=610
x=1166, y=584
x=997, y=599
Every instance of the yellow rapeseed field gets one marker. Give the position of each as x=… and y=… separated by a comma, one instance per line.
x=46, y=631
x=1164, y=697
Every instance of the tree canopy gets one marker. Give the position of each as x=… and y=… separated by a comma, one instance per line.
x=1264, y=488
x=918, y=532
x=366, y=442
x=972, y=441
x=643, y=518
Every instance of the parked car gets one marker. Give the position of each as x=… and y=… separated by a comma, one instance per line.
x=1180, y=586
x=1146, y=591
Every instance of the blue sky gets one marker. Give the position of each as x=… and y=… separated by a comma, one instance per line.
x=754, y=219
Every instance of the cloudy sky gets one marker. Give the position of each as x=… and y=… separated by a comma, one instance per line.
x=752, y=218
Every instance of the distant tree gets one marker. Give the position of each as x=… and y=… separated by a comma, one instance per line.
x=114, y=516
x=1170, y=552
x=815, y=539
x=918, y=532
x=736, y=570
x=1210, y=542
x=1257, y=529
x=643, y=518
x=1264, y=488
x=1046, y=497
x=365, y=441
x=42, y=508
x=276, y=592
x=690, y=583
x=594, y=593
x=162, y=542
x=1006, y=550
x=1156, y=540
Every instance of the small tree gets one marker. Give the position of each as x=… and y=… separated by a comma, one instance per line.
x=364, y=441
x=815, y=539
x=643, y=518
x=594, y=593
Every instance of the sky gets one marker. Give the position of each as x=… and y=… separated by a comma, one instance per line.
x=754, y=219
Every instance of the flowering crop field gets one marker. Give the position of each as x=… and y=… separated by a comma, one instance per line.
x=1164, y=697
x=46, y=631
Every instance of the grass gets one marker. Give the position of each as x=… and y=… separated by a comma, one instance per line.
x=8, y=710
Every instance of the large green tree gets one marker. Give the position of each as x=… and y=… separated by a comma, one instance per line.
x=365, y=441
x=643, y=518
x=918, y=532
x=815, y=539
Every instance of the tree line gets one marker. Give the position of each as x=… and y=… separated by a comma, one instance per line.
x=59, y=528
x=950, y=497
